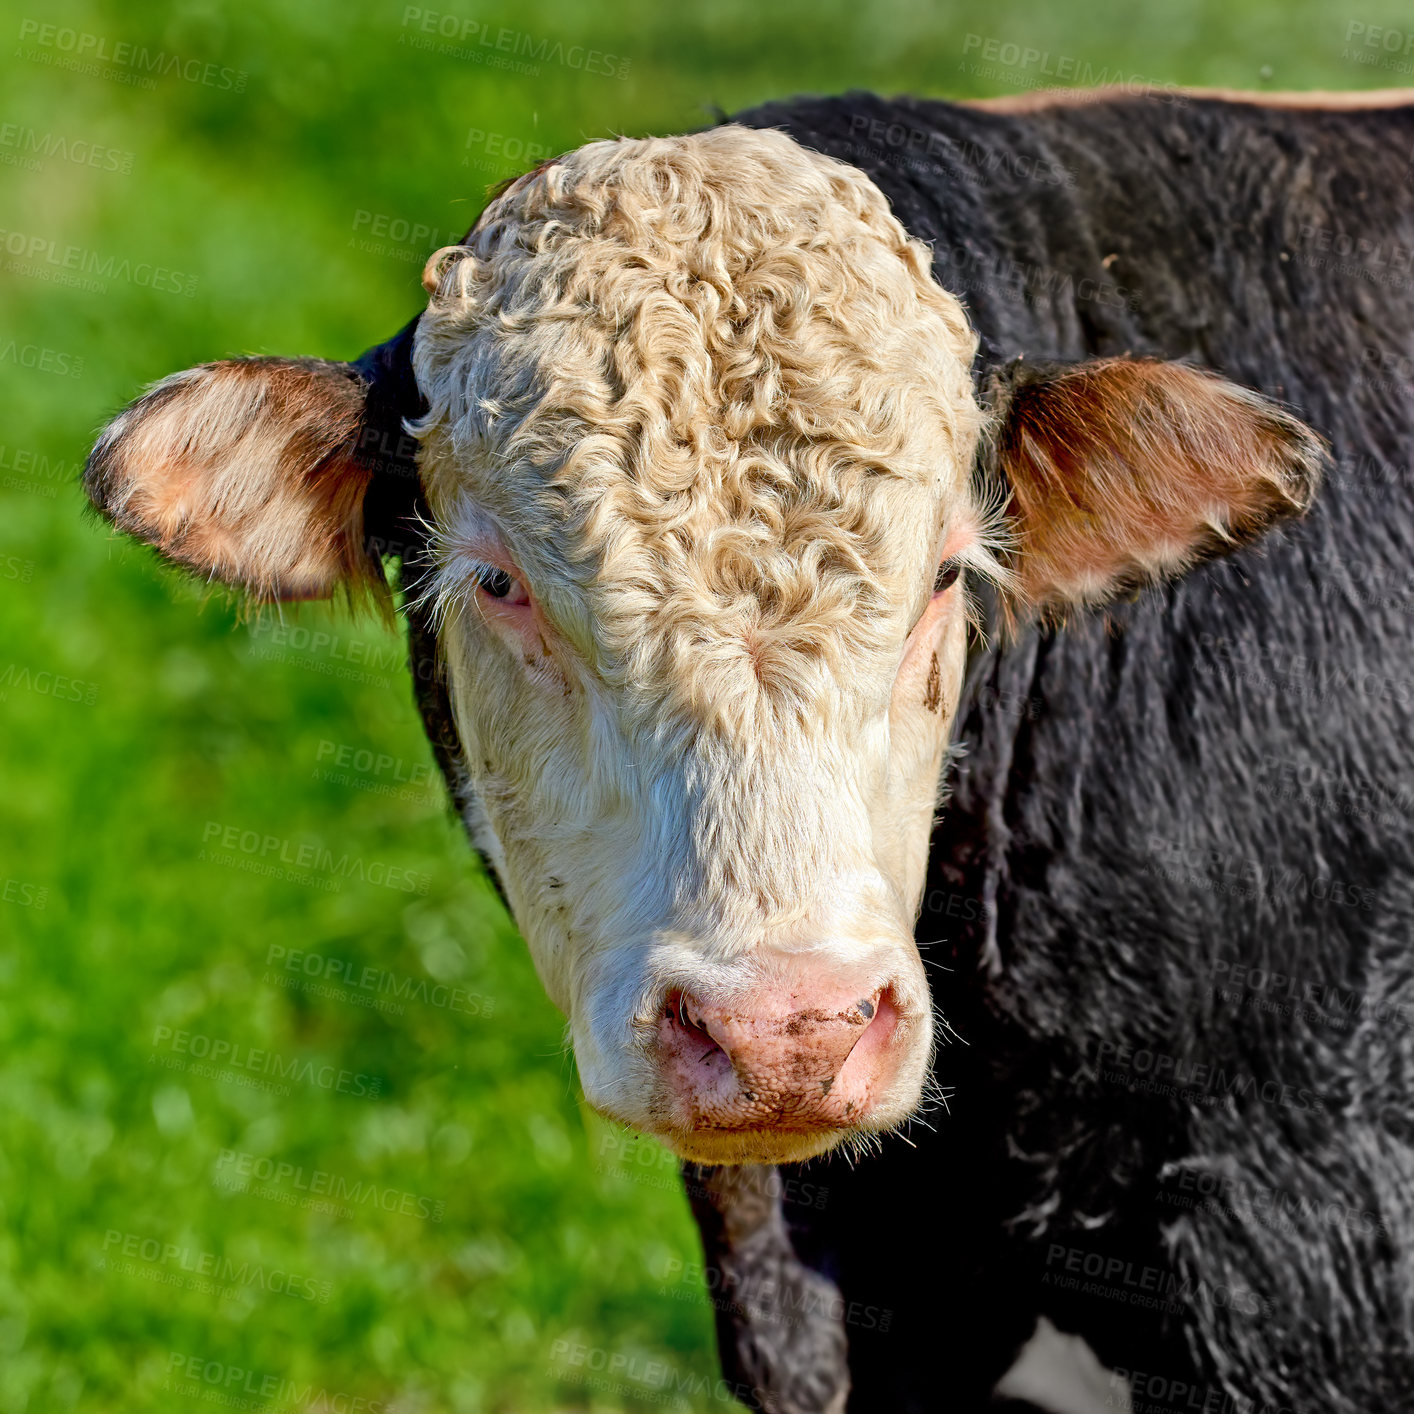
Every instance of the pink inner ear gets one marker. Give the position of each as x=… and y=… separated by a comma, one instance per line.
x=1126, y=470
x=244, y=471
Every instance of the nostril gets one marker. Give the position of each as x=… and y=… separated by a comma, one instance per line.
x=680, y=1015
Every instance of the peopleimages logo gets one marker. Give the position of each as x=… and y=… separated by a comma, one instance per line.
x=1272, y=1207
x=26, y=895
x=515, y=50
x=34, y=473
x=1203, y=866
x=623, y=1373
x=378, y=771
x=238, y=1171
x=1146, y=1393
x=41, y=359
x=44, y=258
x=61, y=47
x=332, y=654
x=1134, y=1283
x=23, y=146
x=763, y=1294
x=297, y=860
x=1143, y=1070
x=236, y=1387
x=926, y=149
x=127, y=1253
x=371, y=986
x=497, y=151
x=989, y=56
x=45, y=683
x=238, y=1061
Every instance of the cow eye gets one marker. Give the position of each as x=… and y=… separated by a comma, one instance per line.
x=947, y=575
x=496, y=583
x=502, y=586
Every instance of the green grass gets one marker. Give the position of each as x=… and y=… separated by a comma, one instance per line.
x=493, y=1241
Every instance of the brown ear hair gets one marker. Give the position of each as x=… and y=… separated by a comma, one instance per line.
x=1123, y=471
x=246, y=471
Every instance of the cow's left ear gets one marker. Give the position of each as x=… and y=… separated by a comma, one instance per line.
x=1124, y=471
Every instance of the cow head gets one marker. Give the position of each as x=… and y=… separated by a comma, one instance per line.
x=708, y=484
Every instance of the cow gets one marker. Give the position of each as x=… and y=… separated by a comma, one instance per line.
x=874, y=533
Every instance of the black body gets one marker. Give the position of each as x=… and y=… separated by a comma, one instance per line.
x=1206, y=1172
x=1213, y=777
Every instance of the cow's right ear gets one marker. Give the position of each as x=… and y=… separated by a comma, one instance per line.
x=246, y=471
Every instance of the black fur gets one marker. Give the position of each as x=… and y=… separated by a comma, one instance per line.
x=1120, y=841
x=1119, y=797
x=396, y=518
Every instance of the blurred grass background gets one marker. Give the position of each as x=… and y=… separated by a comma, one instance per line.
x=495, y=1245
